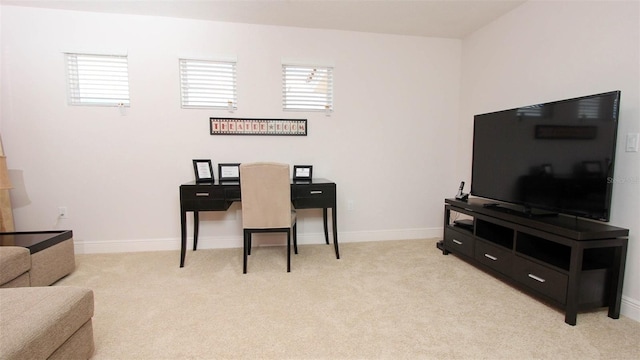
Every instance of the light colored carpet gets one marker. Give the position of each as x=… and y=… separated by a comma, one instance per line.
x=381, y=300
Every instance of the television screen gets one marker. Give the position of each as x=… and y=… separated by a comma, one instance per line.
x=556, y=156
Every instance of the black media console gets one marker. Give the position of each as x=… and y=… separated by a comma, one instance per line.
x=571, y=263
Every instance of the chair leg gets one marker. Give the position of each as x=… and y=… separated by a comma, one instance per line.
x=247, y=246
x=247, y=237
x=295, y=238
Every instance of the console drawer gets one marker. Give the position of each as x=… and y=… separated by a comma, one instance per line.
x=313, y=196
x=541, y=279
x=201, y=192
x=495, y=257
x=203, y=197
x=458, y=242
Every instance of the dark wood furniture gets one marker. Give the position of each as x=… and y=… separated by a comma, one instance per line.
x=195, y=197
x=571, y=263
x=35, y=241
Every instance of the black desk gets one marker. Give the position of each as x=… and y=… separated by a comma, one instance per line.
x=216, y=196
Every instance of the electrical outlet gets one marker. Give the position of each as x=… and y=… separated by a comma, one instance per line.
x=62, y=212
x=632, y=142
x=350, y=205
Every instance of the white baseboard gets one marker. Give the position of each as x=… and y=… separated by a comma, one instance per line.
x=630, y=308
x=385, y=235
x=222, y=242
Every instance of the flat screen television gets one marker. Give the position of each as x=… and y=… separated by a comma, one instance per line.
x=555, y=157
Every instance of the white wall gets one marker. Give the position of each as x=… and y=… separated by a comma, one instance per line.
x=544, y=51
x=387, y=146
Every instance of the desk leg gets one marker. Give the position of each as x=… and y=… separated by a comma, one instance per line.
x=183, y=236
x=326, y=229
x=196, y=226
x=335, y=231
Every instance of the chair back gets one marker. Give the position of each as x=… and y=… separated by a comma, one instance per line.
x=266, y=195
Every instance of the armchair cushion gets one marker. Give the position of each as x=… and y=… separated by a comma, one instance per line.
x=15, y=263
x=46, y=322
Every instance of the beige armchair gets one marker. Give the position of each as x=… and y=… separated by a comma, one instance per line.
x=266, y=204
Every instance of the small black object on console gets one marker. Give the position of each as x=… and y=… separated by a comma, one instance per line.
x=461, y=196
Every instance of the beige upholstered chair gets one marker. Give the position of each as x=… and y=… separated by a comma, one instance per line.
x=266, y=204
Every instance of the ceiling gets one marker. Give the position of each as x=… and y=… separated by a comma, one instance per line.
x=431, y=18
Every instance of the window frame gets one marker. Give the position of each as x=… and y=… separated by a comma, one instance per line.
x=294, y=73
x=97, y=76
x=213, y=63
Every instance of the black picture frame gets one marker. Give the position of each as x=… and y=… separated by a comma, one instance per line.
x=302, y=172
x=229, y=172
x=203, y=170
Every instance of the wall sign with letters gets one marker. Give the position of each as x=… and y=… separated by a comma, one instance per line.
x=234, y=126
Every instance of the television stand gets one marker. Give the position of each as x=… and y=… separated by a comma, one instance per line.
x=519, y=210
x=491, y=205
x=571, y=263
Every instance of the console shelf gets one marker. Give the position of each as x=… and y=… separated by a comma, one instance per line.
x=572, y=263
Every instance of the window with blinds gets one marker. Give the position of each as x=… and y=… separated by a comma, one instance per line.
x=589, y=108
x=100, y=80
x=208, y=84
x=307, y=88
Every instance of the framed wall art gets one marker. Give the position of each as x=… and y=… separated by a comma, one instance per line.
x=281, y=127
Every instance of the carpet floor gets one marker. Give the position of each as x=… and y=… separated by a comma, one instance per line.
x=382, y=300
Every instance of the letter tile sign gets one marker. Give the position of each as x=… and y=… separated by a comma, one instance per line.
x=232, y=126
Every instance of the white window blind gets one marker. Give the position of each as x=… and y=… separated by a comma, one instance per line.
x=101, y=80
x=530, y=111
x=307, y=88
x=589, y=108
x=208, y=84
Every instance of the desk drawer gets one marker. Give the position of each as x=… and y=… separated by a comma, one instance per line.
x=203, y=198
x=203, y=192
x=458, y=242
x=495, y=257
x=232, y=194
x=313, y=196
x=544, y=280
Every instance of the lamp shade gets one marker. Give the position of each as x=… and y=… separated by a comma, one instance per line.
x=5, y=183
